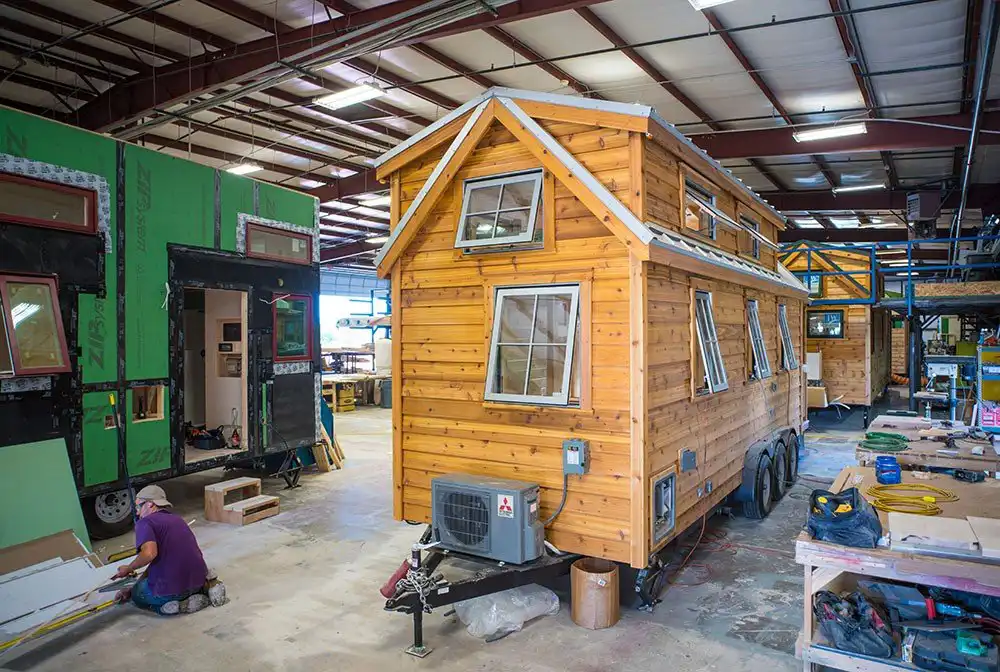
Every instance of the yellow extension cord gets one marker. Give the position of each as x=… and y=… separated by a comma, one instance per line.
x=890, y=498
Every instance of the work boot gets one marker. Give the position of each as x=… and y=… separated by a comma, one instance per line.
x=196, y=602
x=216, y=593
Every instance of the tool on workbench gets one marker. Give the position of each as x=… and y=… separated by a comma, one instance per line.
x=843, y=518
x=964, y=475
x=961, y=651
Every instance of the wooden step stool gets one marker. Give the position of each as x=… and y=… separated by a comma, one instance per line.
x=252, y=507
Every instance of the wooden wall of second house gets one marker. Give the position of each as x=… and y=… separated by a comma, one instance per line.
x=664, y=174
x=445, y=301
x=848, y=360
x=718, y=427
x=881, y=359
x=900, y=347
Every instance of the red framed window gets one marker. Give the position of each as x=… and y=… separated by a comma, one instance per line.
x=24, y=200
x=293, y=328
x=32, y=340
x=265, y=242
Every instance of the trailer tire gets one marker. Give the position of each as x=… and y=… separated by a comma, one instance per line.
x=759, y=504
x=793, y=460
x=780, y=468
x=107, y=515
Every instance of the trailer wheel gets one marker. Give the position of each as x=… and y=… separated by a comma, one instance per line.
x=793, y=461
x=760, y=505
x=108, y=514
x=780, y=469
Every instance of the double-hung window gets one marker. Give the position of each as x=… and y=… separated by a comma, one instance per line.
x=789, y=360
x=698, y=202
x=708, y=345
x=500, y=210
x=761, y=365
x=32, y=341
x=533, y=344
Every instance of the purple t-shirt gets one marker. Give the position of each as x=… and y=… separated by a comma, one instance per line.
x=179, y=566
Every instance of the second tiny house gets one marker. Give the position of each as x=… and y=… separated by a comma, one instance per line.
x=570, y=268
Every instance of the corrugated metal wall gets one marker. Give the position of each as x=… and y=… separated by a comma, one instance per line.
x=349, y=283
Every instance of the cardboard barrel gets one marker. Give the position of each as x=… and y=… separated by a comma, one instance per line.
x=595, y=593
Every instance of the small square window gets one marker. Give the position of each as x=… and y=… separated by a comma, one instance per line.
x=500, y=210
x=266, y=242
x=708, y=344
x=293, y=334
x=47, y=204
x=789, y=360
x=147, y=403
x=698, y=202
x=533, y=347
x=813, y=282
x=825, y=324
x=32, y=341
x=761, y=365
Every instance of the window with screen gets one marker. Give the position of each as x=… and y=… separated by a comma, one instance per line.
x=40, y=203
x=760, y=365
x=825, y=324
x=500, y=210
x=293, y=319
x=32, y=341
x=533, y=346
x=697, y=214
x=788, y=357
x=712, y=367
x=265, y=242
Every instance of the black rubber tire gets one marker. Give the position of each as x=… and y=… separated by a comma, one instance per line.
x=780, y=469
x=793, y=461
x=758, y=507
x=116, y=519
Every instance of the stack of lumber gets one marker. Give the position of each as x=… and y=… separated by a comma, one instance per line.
x=328, y=454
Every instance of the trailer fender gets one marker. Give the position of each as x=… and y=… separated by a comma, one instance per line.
x=745, y=492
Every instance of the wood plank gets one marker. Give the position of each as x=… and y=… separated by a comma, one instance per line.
x=434, y=140
x=575, y=115
x=638, y=410
x=399, y=377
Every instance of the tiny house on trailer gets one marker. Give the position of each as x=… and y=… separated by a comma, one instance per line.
x=843, y=321
x=187, y=291
x=565, y=268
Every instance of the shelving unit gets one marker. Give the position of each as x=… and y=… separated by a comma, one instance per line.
x=987, y=371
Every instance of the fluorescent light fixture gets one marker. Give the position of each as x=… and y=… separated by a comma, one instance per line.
x=376, y=200
x=827, y=132
x=378, y=240
x=891, y=252
x=701, y=5
x=859, y=187
x=244, y=168
x=895, y=262
x=352, y=96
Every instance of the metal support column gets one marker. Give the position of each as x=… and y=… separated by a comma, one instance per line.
x=916, y=336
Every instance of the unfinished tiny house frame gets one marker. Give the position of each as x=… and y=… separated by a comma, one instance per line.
x=622, y=319
x=843, y=321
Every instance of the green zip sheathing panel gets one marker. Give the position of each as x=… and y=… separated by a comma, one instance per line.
x=100, y=445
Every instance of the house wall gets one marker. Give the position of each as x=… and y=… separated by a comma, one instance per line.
x=900, y=350
x=117, y=330
x=665, y=170
x=718, y=427
x=443, y=325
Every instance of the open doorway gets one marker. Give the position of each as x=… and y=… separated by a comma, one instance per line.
x=215, y=373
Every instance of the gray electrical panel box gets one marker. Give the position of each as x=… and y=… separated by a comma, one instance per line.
x=576, y=456
x=662, y=515
x=492, y=518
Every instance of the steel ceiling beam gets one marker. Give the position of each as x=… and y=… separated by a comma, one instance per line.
x=58, y=61
x=361, y=183
x=82, y=48
x=52, y=14
x=451, y=64
x=401, y=83
x=164, y=21
x=208, y=72
x=855, y=235
x=903, y=134
x=302, y=101
x=248, y=15
x=973, y=14
x=45, y=84
x=201, y=150
x=980, y=196
x=524, y=51
x=347, y=251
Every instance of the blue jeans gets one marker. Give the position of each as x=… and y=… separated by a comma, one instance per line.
x=143, y=598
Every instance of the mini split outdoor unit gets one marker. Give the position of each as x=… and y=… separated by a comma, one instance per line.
x=488, y=517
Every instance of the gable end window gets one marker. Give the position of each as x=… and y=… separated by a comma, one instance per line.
x=761, y=365
x=500, y=210
x=40, y=203
x=789, y=360
x=698, y=202
x=708, y=345
x=32, y=341
x=265, y=242
x=533, y=344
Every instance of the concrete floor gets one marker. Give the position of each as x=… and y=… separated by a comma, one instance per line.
x=303, y=589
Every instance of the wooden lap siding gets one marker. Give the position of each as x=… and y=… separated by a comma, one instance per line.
x=718, y=427
x=446, y=313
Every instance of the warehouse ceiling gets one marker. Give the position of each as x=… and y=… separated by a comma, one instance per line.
x=234, y=84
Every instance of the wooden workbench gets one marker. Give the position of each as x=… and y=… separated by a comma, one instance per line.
x=835, y=567
x=924, y=452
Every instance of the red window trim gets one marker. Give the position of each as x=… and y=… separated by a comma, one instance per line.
x=15, y=350
x=89, y=195
x=309, y=325
x=253, y=226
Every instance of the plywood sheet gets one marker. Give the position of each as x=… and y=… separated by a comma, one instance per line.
x=984, y=288
x=910, y=530
x=987, y=531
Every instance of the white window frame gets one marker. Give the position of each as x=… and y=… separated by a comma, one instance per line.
x=706, y=199
x=761, y=364
x=708, y=343
x=502, y=293
x=789, y=359
x=535, y=177
x=753, y=225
